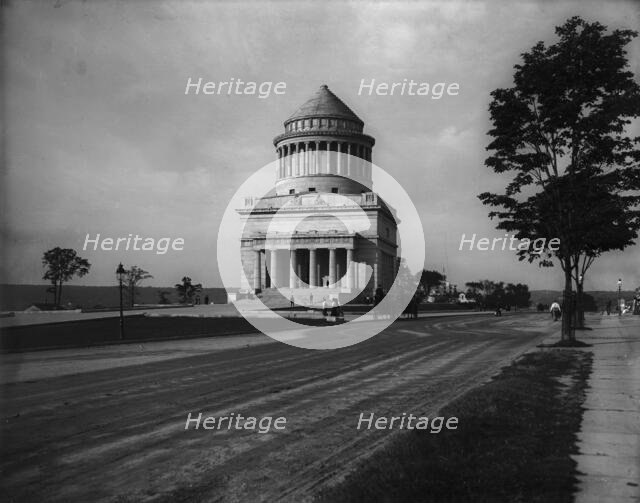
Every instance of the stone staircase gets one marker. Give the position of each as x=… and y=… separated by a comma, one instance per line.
x=273, y=299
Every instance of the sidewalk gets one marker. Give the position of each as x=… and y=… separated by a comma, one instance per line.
x=608, y=444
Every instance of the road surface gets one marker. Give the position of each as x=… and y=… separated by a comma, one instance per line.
x=117, y=432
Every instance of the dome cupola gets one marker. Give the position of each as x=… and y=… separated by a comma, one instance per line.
x=323, y=148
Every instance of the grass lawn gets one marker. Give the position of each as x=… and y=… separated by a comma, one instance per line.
x=513, y=441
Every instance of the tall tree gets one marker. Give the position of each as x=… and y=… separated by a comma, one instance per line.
x=561, y=131
x=187, y=290
x=133, y=277
x=62, y=264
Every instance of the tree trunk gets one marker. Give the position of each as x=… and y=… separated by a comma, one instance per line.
x=579, y=315
x=567, y=307
x=579, y=306
x=59, y=302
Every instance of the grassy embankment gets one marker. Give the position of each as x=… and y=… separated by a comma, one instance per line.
x=513, y=443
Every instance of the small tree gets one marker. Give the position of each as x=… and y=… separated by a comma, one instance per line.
x=517, y=295
x=163, y=297
x=62, y=264
x=133, y=277
x=187, y=290
x=429, y=279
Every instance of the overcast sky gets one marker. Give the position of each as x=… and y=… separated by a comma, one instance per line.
x=100, y=137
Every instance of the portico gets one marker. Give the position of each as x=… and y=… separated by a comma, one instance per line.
x=306, y=267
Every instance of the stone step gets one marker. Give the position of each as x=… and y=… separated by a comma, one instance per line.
x=281, y=298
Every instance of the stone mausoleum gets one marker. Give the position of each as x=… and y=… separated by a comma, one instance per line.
x=323, y=156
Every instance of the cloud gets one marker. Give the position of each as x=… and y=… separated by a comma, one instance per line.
x=101, y=137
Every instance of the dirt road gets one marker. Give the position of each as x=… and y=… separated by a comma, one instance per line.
x=119, y=433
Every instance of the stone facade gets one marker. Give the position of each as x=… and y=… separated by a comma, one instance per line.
x=322, y=158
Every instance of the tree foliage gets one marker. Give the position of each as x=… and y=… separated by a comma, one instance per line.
x=62, y=264
x=133, y=277
x=489, y=293
x=429, y=279
x=163, y=297
x=561, y=132
x=187, y=290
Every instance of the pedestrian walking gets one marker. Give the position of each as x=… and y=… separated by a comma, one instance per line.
x=334, y=307
x=555, y=311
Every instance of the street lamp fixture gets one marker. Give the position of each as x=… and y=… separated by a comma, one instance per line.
x=619, y=289
x=120, y=274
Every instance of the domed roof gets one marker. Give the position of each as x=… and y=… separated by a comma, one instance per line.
x=324, y=104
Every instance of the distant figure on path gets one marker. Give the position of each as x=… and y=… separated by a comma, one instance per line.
x=377, y=298
x=609, y=308
x=324, y=306
x=310, y=300
x=291, y=300
x=334, y=307
x=555, y=311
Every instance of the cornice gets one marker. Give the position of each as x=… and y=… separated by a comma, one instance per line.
x=318, y=132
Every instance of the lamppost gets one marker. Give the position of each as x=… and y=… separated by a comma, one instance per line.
x=120, y=273
x=619, y=289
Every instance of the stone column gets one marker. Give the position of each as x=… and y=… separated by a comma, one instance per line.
x=348, y=159
x=328, y=158
x=293, y=261
x=339, y=158
x=350, y=269
x=294, y=160
x=279, y=170
x=273, y=270
x=367, y=165
x=356, y=275
x=332, y=266
x=257, y=284
x=287, y=161
x=306, y=158
x=313, y=282
x=376, y=271
x=317, y=163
